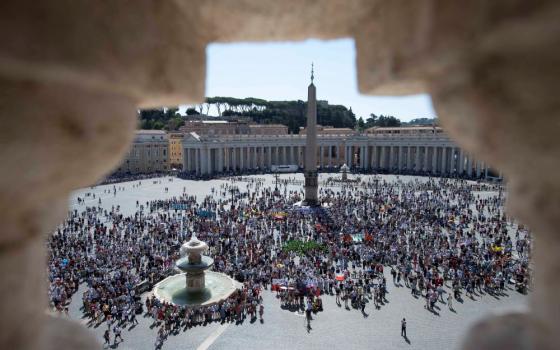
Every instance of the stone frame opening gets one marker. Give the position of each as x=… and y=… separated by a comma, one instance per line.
x=73, y=74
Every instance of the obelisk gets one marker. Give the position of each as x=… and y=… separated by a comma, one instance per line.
x=311, y=182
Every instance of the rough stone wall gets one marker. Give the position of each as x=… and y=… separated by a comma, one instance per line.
x=72, y=74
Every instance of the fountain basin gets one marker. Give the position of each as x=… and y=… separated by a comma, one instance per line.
x=218, y=288
x=184, y=265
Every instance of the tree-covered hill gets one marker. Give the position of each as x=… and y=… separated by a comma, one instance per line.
x=290, y=113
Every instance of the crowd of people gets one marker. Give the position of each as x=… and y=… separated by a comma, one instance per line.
x=441, y=238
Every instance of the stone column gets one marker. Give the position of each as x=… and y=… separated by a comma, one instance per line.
x=242, y=158
x=221, y=159
x=226, y=158
x=444, y=161
x=203, y=160
x=231, y=158
x=254, y=158
x=194, y=162
x=469, y=165
x=426, y=158
x=187, y=159
x=330, y=155
x=399, y=152
x=192, y=154
x=235, y=158
x=382, y=157
x=363, y=157
x=478, y=168
x=409, y=158
x=367, y=164
x=417, y=156
x=433, y=169
x=209, y=166
x=391, y=158
x=249, y=159
x=460, y=161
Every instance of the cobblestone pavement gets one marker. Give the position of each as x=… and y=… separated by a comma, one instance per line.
x=334, y=328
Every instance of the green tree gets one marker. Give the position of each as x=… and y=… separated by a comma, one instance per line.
x=382, y=121
x=192, y=111
x=361, y=124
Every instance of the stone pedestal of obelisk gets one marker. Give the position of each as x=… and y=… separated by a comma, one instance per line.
x=311, y=182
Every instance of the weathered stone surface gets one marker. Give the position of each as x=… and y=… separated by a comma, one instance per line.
x=150, y=50
x=73, y=72
x=511, y=332
x=55, y=137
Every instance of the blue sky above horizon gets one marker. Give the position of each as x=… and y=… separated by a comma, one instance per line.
x=281, y=71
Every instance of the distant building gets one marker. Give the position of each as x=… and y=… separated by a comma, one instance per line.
x=223, y=127
x=329, y=130
x=268, y=129
x=402, y=150
x=214, y=127
x=176, y=150
x=149, y=153
x=406, y=130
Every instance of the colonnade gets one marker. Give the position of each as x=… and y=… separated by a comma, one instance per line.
x=437, y=159
x=443, y=159
x=207, y=159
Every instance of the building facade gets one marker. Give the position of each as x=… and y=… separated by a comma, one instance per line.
x=149, y=153
x=324, y=130
x=224, y=127
x=426, y=150
x=175, y=150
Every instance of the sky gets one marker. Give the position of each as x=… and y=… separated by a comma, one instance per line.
x=281, y=71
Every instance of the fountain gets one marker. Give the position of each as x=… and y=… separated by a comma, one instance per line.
x=344, y=171
x=195, y=286
x=343, y=179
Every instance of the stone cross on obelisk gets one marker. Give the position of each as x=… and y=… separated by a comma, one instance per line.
x=311, y=183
